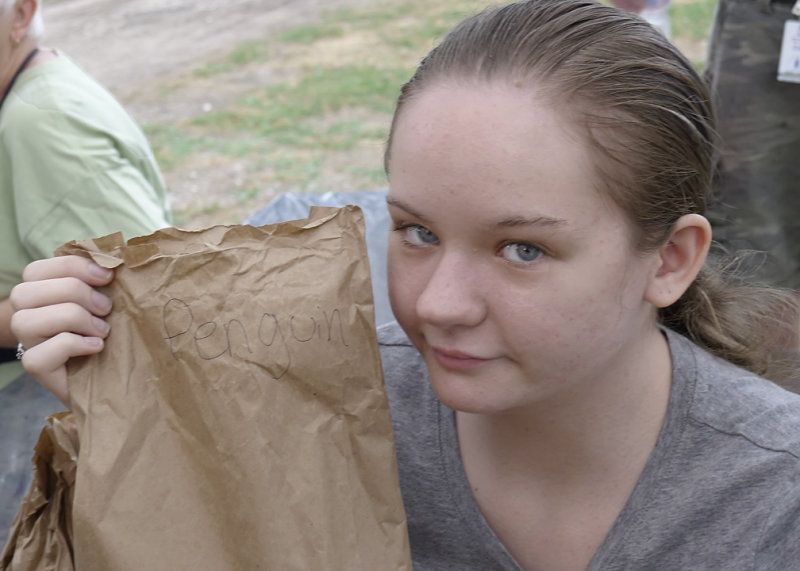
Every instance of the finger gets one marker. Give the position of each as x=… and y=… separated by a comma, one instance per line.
x=46, y=360
x=53, y=291
x=68, y=266
x=35, y=325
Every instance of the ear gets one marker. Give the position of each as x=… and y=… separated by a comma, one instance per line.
x=23, y=13
x=680, y=260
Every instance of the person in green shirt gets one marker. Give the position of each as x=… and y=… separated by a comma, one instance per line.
x=73, y=163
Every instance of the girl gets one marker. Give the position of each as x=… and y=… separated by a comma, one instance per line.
x=563, y=380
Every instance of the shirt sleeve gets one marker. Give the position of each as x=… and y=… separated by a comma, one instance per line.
x=73, y=181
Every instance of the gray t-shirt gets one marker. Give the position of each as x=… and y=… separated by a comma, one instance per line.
x=721, y=489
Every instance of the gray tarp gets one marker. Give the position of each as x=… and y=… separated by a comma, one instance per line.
x=290, y=206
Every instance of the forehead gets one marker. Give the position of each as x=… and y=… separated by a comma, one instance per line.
x=498, y=122
x=500, y=142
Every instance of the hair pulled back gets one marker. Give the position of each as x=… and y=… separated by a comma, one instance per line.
x=647, y=115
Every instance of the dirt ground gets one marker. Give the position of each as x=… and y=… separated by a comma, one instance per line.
x=132, y=45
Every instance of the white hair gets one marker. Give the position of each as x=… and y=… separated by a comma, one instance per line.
x=36, y=29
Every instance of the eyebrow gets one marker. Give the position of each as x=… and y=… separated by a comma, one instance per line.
x=403, y=206
x=511, y=222
x=517, y=221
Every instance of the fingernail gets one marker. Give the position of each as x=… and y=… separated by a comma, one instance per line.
x=101, y=325
x=99, y=272
x=101, y=301
x=93, y=342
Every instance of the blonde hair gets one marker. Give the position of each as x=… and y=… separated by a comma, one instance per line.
x=648, y=116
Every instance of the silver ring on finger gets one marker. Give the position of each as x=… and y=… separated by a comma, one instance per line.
x=20, y=350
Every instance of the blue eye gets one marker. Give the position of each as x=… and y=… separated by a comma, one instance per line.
x=521, y=252
x=417, y=235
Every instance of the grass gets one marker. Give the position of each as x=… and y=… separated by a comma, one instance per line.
x=284, y=110
x=320, y=120
x=691, y=20
x=242, y=54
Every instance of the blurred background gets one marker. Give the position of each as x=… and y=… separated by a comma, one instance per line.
x=244, y=100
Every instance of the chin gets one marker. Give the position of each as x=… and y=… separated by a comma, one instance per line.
x=465, y=394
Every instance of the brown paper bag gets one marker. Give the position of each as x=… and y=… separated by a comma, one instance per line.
x=41, y=534
x=237, y=418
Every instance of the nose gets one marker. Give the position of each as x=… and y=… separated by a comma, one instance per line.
x=453, y=295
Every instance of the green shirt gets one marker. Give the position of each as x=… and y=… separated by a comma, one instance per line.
x=73, y=165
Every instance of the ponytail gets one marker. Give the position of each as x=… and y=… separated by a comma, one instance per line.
x=754, y=327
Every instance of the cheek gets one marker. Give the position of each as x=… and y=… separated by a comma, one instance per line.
x=402, y=282
x=556, y=316
x=571, y=311
x=600, y=309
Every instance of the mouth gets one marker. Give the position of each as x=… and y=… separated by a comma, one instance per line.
x=457, y=360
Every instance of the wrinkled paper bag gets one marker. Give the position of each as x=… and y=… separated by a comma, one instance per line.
x=237, y=418
x=40, y=537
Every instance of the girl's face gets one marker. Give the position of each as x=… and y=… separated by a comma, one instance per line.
x=512, y=275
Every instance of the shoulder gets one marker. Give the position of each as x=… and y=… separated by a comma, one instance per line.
x=45, y=86
x=735, y=402
x=42, y=102
x=59, y=88
x=721, y=487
